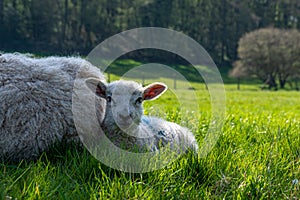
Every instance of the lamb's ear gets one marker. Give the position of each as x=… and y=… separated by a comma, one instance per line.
x=96, y=86
x=154, y=90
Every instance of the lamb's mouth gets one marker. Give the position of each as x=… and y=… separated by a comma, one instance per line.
x=125, y=125
x=128, y=127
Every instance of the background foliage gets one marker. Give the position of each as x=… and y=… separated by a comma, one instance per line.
x=76, y=26
x=272, y=55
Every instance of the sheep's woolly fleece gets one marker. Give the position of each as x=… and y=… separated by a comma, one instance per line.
x=36, y=102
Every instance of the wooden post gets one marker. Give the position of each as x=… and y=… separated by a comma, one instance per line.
x=175, y=83
x=143, y=80
x=296, y=83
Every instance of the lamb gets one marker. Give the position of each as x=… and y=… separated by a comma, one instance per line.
x=36, y=103
x=127, y=127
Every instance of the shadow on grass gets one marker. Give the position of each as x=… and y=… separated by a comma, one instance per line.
x=73, y=161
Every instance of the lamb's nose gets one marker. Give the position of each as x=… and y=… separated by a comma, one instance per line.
x=124, y=117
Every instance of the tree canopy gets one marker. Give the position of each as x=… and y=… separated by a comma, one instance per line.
x=77, y=26
x=270, y=54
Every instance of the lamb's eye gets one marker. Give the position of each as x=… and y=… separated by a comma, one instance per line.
x=139, y=100
x=108, y=98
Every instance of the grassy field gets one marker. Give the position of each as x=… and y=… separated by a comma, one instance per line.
x=256, y=157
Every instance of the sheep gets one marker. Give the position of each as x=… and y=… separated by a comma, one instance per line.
x=36, y=103
x=127, y=127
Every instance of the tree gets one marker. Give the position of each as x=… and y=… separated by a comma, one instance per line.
x=1, y=20
x=238, y=72
x=1, y=11
x=270, y=54
x=289, y=55
x=76, y=26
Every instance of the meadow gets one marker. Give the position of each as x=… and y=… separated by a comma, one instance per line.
x=257, y=155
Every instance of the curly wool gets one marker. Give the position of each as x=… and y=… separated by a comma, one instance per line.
x=151, y=134
x=36, y=103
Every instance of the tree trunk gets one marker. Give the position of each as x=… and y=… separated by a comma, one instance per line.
x=1, y=12
x=296, y=84
x=14, y=3
x=282, y=83
x=224, y=31
x=1, y=22
x=271, y=82
x=64, y=26
x=282, y=79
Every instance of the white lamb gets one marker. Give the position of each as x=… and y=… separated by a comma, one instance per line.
x=127, y=127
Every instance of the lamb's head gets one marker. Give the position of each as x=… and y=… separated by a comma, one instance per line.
x=124, y=100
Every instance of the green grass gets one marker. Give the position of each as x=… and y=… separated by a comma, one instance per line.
x=256, y=157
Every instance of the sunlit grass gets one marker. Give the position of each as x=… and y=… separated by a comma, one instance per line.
x=256, y=157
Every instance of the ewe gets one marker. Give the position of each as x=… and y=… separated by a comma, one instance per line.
x=36, y=103
x=127, y=127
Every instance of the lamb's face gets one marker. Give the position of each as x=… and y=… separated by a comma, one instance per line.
x=124, y=103
x=124, y=100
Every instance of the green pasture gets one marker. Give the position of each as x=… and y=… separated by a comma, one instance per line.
x=257, y=155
